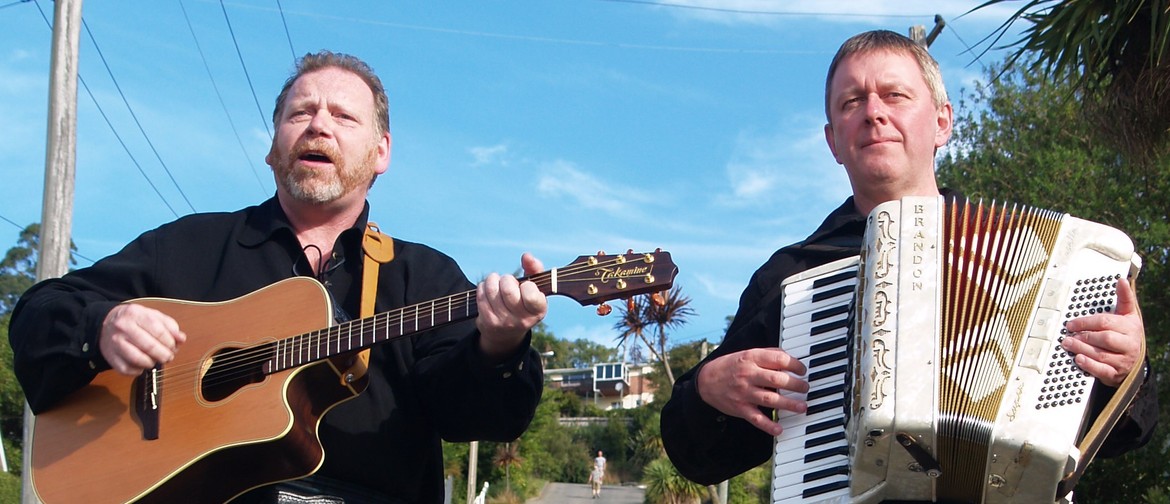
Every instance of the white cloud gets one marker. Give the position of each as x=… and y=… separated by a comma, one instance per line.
x=727, y=289
x=792, y=161
x=562, y=180
x=494, y=154
x=602, y=334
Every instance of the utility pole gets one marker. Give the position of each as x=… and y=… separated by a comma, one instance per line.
x=472, y=459
x=918, y=32
x=60, y=161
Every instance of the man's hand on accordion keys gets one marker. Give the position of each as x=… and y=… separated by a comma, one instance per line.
x=1108, y=345
x=739, y=384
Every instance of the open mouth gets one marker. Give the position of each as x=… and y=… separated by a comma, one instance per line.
x=314, y=157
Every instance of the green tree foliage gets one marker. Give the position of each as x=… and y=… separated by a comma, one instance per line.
x=751, y=487
x=664, y=485
x=18, y=270
x=1023, y=139
x=683, y=357
x=1118, y=51
x=576, y=354
x=11, y=401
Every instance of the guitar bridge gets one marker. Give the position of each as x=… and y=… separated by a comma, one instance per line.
x=149, y=401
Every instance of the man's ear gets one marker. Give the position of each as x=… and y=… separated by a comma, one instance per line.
x=946, y=123
x=384, y=143
x=829, y=140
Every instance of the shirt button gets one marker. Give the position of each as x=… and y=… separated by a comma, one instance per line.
x=520, y=367
x=85, y=347
x=507, y=374
x=92, y=365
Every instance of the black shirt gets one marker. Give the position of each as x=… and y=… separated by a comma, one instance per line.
x=431, y=385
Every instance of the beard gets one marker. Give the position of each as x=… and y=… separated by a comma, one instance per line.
x=322, y=186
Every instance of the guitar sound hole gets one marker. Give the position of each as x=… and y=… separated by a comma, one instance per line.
x=228, y=373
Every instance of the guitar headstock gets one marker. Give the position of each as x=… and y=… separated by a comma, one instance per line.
x=595, y=279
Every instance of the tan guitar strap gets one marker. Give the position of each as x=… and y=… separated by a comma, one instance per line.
x=378, y=249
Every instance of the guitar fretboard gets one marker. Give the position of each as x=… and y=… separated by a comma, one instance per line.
x=363, y=333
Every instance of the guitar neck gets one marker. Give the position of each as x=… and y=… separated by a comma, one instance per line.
x=592, y=279
x=386, y=326
x=364, y=333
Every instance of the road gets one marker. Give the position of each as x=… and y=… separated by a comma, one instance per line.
x=557, y=493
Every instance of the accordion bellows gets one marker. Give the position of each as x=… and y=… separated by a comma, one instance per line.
x=957, y=388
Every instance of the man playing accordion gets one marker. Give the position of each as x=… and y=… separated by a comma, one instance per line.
x=887, y=114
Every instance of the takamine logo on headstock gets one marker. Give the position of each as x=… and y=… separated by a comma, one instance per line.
x=598, y=278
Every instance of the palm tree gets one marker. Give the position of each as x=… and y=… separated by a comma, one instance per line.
x=1120, y=49
x=508, y=455
x=664, y=485
x=663, y=313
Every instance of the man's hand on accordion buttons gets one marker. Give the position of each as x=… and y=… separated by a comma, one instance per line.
x=1108, y=345
x=738, y=384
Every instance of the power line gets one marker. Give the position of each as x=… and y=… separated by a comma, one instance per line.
x=21, y=228
x=14, y=224
x=968, y=46
x=286, y=34
x=540, y=39
x=263, y=120
x=166, y=169
x=220, y=97
x=111, y=125
x=763, y=12
x=14, y=3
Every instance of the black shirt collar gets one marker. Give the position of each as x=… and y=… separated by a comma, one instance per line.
x=266, y=220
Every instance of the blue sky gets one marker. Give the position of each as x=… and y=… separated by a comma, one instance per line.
x=557, y=127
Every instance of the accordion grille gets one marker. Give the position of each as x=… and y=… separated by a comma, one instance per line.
x=995, y=259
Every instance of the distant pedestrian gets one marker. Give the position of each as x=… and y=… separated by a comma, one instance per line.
x=595, y=477
x=599, y=462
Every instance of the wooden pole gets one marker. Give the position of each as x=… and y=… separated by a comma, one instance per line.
x=60, y=160
x=472, y=459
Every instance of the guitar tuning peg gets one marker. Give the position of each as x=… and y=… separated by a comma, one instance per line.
x=603, y=310
x=600, y=252
x=630, y=306
x=657, y=299
x=629, y=251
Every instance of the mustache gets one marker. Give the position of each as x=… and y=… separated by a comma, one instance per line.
x=313, y=148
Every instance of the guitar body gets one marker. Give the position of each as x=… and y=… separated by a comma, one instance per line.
x=209, y=447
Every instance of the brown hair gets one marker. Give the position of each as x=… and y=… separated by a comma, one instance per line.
x=313, y=62
x=885, y=40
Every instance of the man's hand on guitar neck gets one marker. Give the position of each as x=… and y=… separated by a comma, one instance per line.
x=134, y=338
x=508, y=309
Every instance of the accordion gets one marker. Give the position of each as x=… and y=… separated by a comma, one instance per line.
x=934, y=360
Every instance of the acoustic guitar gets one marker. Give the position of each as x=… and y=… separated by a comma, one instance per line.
x=239, y=406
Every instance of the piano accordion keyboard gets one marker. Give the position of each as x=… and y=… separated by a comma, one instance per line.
x=810, y=459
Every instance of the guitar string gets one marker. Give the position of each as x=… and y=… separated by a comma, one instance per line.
x=305, y=346
x=234, y=364
x=302, y=345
